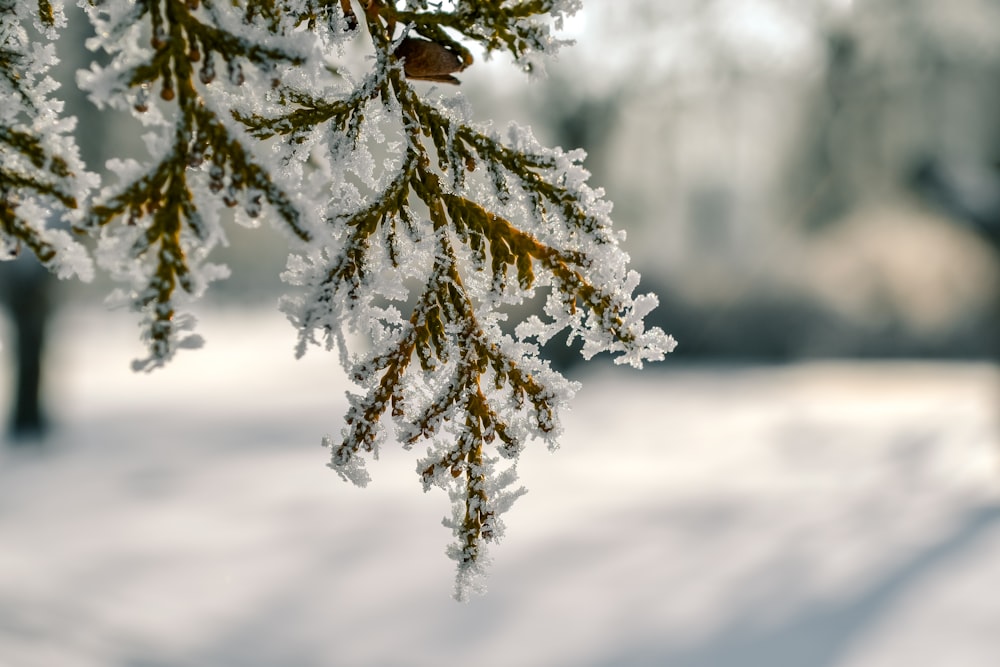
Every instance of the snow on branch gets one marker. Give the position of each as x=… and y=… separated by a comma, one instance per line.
x=420, y=250
x=41, y=176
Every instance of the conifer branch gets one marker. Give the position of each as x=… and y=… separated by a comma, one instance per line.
x=162, y=201
x=478, y=387
x=41, y=178
x=417, y=251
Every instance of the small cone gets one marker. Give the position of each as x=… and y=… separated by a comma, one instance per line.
x=425, y=60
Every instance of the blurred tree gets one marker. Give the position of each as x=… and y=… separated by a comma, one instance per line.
x=821, y=181
x=390, y=198
x=25, y=291
x=904, y=84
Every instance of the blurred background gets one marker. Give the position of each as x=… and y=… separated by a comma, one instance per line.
x=798, y=179
x=812, y=189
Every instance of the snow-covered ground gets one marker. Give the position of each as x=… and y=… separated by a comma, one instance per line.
x=812, y=515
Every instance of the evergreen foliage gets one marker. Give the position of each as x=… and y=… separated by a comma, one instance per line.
x=40, y=170
x=410, y=227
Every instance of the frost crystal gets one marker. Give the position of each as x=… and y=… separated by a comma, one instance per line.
x=41, y=176
x=409, y=225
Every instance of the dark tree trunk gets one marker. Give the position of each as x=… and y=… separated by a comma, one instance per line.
x=25, y=289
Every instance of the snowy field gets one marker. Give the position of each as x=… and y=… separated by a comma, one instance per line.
x=811, y=515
